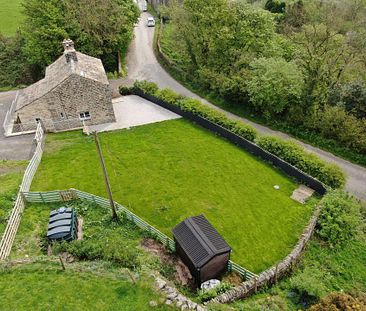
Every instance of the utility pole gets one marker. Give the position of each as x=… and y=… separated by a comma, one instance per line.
x=105, y=175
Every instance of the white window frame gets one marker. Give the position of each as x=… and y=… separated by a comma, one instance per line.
x=85, y=115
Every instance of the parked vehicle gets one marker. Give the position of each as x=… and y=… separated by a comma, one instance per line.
x=150, y=22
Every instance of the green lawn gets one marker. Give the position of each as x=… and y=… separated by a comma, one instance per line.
x=11, y=173
x=44, y=286
x=10, y=16
x=168, y=171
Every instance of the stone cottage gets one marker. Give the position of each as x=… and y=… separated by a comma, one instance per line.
x=75, y=90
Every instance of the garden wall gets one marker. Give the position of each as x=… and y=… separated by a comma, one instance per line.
x=242, y=142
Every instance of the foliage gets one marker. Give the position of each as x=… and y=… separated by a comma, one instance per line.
x=206, y=295
x=125, y=90
x=339, y=221
x=274, y=86
x=275, y=6
x=168, y=171
x=352, y=96
x=333, y=122
x=196, y=107
x=98, y=28
x=13, y=63
x=309, y=163
x=340, y=302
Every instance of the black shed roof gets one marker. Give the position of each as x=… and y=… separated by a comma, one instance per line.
x=199, y=240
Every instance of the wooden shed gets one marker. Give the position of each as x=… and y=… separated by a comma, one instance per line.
x=201, y=248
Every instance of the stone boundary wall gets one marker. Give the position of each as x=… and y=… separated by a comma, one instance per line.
x=271, y=275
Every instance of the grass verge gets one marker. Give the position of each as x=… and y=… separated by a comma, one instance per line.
x=10, y=16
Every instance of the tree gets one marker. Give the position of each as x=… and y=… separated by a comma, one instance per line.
x=98, y=27
x=274, y=85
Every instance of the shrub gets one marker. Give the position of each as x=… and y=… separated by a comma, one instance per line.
x=309, y=163
x=340, y=302
x=196, y=107
x=206, y=295
x=309, y=283
x=125, y=90
x=339, y=220
x=146, y=86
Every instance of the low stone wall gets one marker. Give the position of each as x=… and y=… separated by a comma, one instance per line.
x=271, y=275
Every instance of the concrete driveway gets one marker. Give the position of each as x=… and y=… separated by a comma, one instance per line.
x=133, y=111
x=143, y=65
x=17, y=147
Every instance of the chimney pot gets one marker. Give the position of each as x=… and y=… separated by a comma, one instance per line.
x=68, y=45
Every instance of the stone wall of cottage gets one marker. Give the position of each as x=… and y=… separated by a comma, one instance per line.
x=65, y=102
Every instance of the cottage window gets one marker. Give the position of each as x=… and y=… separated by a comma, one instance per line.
x=84, y=115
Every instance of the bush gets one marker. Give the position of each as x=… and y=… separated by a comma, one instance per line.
x=339, y=220
x=309, y=163
x=125, y=90
x=196, y=107
x=340, y=302
x=206, y=295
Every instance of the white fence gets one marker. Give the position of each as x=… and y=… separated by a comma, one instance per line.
x=8, y=117
x=15, y=216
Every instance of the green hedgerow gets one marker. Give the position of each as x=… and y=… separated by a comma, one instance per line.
x=340, y=218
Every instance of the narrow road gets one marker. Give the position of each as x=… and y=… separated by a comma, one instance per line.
x=143, y=65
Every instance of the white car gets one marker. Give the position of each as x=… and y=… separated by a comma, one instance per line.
x=150, y=22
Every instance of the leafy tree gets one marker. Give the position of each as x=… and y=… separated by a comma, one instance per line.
x=98, y=27
x=352, y=96
x=274, y=85
x=339, y=220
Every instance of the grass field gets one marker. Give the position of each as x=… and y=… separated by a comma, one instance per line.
x=168, y=171
x=11, y=173
x=44, y=286
x=10, y=16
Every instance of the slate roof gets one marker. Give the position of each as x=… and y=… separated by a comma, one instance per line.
x=85, y=66
x=199, y=240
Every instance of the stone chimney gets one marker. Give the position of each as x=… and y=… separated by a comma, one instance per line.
x=69, y=50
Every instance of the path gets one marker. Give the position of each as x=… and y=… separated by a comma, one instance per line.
x=143, y=65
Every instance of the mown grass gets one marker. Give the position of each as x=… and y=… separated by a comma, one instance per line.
x=10, y=16
x=44, y=286
x=11, y=173
x=168, y=171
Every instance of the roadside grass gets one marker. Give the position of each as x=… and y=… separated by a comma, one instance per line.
x=10, y=16
x=44, y=286
x=11, y=173
x=171, y=170
x=174, y=52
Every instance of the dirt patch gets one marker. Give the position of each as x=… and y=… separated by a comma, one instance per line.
x=182, y=274
x=233, y=278
x=7, y=167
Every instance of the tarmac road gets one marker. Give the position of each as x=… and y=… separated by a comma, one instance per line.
x=17, y=147
x=143, y=65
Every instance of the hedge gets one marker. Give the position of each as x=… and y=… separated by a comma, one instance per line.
x=195, y=106
x=309, y=163
x=289, y=151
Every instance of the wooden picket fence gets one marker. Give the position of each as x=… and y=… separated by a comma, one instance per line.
x=15, y=216
x=74, y=194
